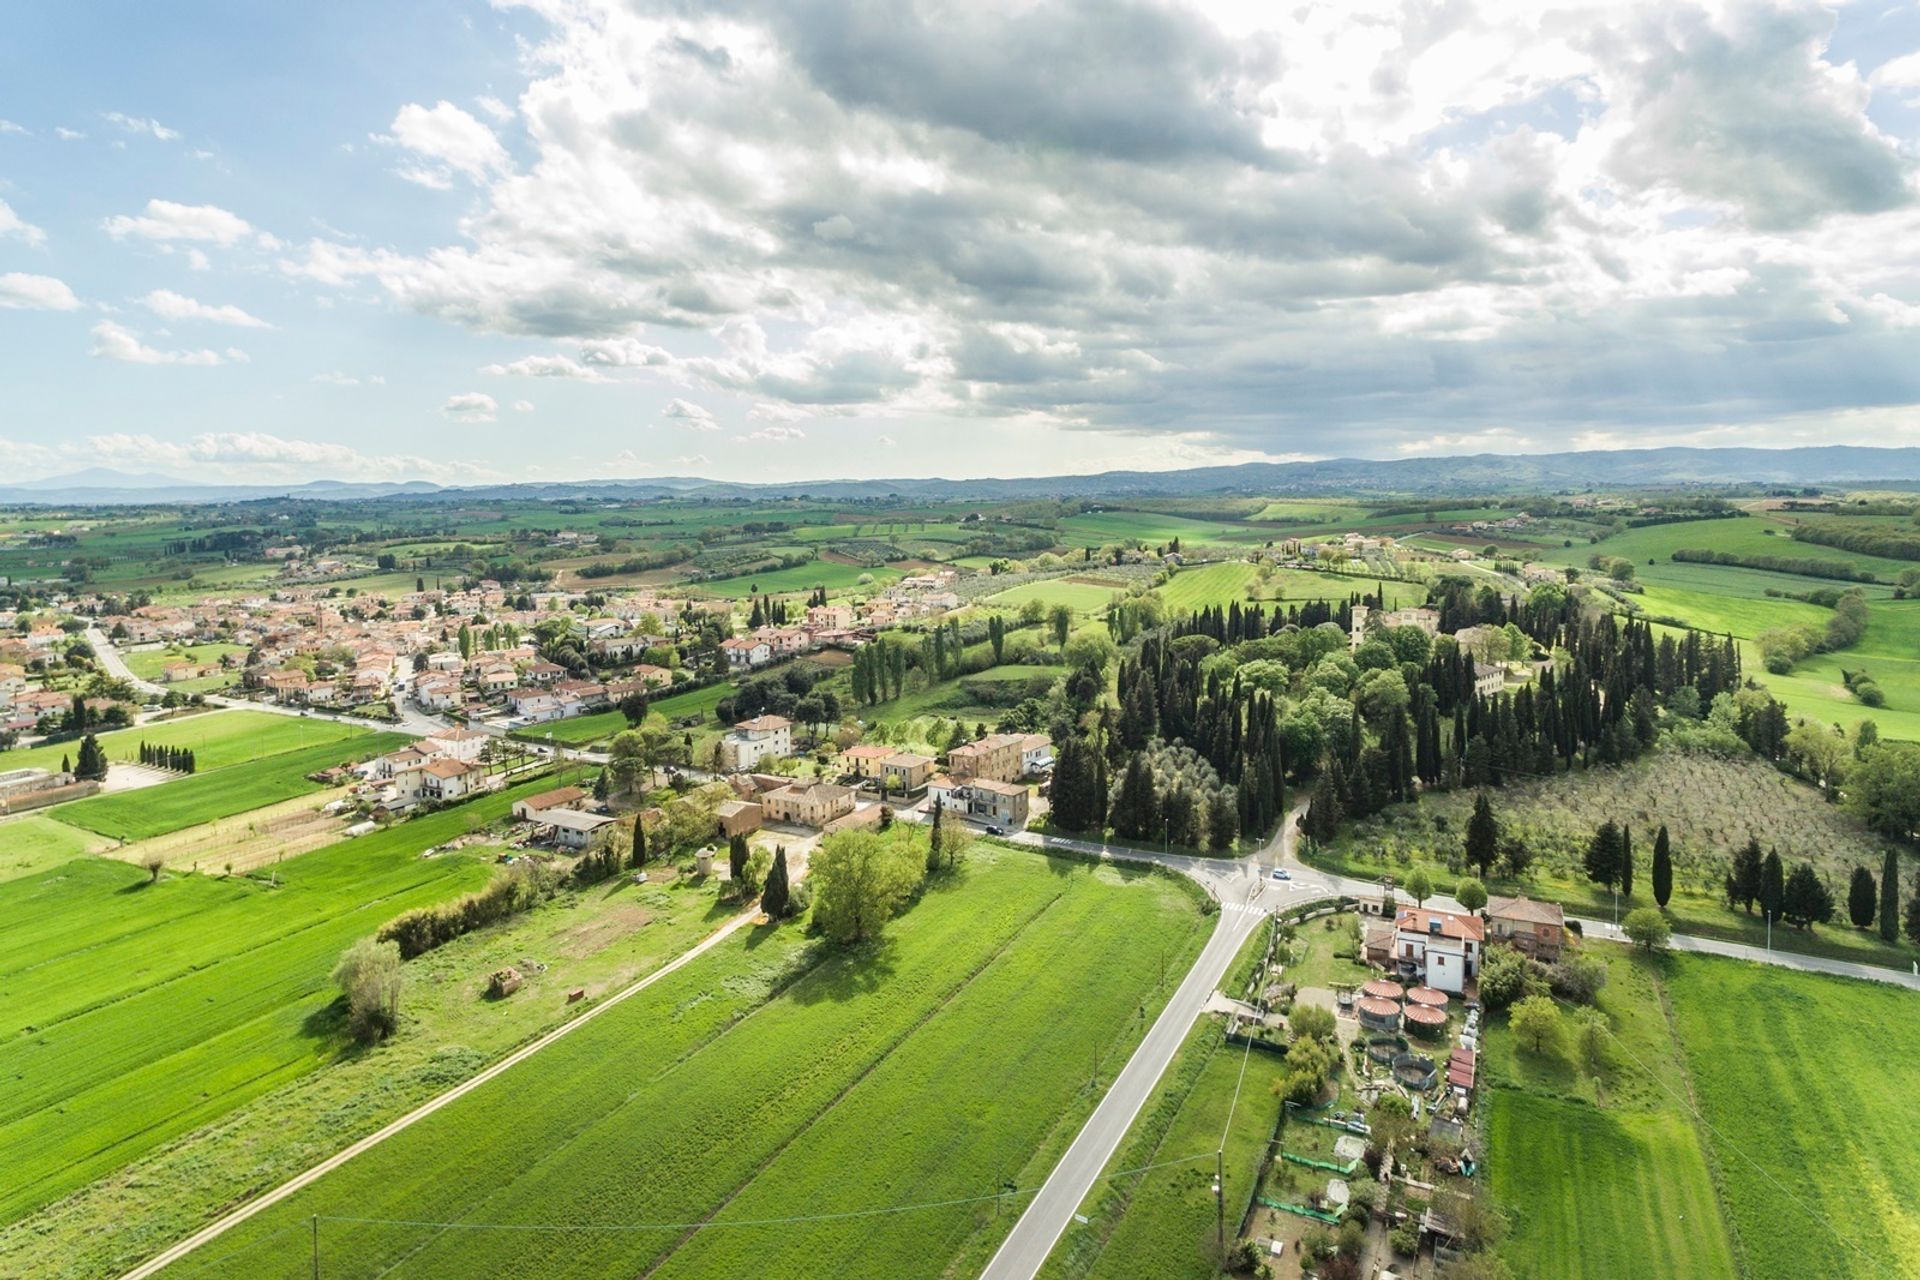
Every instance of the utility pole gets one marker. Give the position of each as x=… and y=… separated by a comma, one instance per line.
x=314, y=1223
x=1220, y=1201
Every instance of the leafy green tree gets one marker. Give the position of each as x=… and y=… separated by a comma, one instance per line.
x=1890, y=897
x=1311, y=1021
x=370, y=977
x=1662, y=866
x=1743, y=880
x=1647, y=927
x=859, y=881
x=1536, y=1020
x=1483, y=835
x=1471, y=894
x=1603, y=855
x=1805, y=899
x=1060, y=621
x=1419, y=886
x=1884, y=788
x=1507, y=976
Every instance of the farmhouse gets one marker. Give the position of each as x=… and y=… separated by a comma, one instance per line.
x=863, y=760
x=1440, y=949
x=981, y=799
x=743, y=655
x=1536, y=928
x=906, y=772
x=812, y=806
x=533, y=806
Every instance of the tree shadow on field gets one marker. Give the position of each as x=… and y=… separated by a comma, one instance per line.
x=849, y=973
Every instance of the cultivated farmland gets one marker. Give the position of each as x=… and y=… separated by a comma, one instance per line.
x=217, y=739
x=136, y=1011
x=774, y=1076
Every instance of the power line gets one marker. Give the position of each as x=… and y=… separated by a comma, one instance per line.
x=710, y=1224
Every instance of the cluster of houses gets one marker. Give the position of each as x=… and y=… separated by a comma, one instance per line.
x=846, y=626
x=1489, y=673
x=445, y=767
x=1444, y=949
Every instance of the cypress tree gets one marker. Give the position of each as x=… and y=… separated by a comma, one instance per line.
x=1862, y=898
x=1890, y=897
x=1626, y=862
x=1603, y=855
x=737, y=858
x=1483, y=835
x=1662, y=866
x=638, y=855
x=1773, y=884
x=776, y=898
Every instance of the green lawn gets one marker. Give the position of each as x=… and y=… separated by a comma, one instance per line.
x=1808, y=1084
x=1101, y=527
x=148, y=664
x=217, y=738
x=1205, y=586
x=219, y=793
x=774, y=1073
x=137, y=1012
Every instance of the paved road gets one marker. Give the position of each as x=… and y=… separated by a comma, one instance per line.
x=1760, y=955
x=1246, y=897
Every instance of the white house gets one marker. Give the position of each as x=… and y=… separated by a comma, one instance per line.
x=744, y=654
x=751, y=741
x=1439, y=948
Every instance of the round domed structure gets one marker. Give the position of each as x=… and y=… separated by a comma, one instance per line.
x=1433, y=997
x=1383, y=989
x=1424, y=1020
x=1378, y=1015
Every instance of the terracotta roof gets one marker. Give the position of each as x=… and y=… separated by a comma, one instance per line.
x=1527, y=910
x=1420, y=920
x=765, y=724
x=554, y=799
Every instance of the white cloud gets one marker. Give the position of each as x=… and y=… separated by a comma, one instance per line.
x=455, y=141
x=775, y=433
x=12, y=224
x=140, y=125
x=8, y=126
x=22, y=292
x=340, y=378
x=698, y=417
x=494, y=107
x=173, y=306
x=545, y=367
x=1900, y=75
x=471, y=406
x=69, y=135
x=260, y=457
x=523, y=406
x=115, y=342
x=165, y=221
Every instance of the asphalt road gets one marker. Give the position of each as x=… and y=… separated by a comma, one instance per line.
x=1246, y=896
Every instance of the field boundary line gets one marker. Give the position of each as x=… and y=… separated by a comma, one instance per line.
x=233, y=1218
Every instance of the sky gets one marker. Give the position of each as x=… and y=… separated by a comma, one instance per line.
x=783, y=239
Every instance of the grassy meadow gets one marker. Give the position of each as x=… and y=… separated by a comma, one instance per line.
x=773, y=1072
x=137, y=1011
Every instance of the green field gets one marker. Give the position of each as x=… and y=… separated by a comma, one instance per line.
x=138, y=1011
x=1599, y=1168
x=33, y=842
x=1797, y=1164
x=217, y=739
x=220, y=793
x=770, y=1076
x=582, y=730
x=818, y=573
x=1807, y=1083
x=1603, y=1194
x=1205, y=586
x=1099, y=528
x=1081, y=597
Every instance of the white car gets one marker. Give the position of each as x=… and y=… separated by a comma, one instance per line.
x=1281, y=873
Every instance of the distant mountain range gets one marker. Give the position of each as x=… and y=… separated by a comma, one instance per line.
x=1482, y=473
